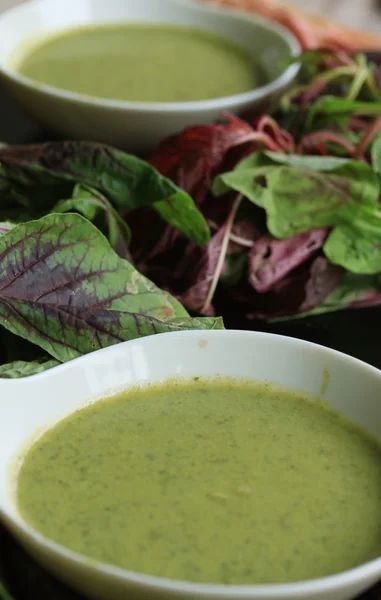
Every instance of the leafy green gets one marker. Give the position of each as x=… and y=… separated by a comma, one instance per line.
x=315, y=163
x=247, y=177
x=64, y=289
x=22, y=368
x=89, y=202
x=353, y=290
x=356, y=245
x=246, y=182
x=330, y=105
x=304, y=193
x=125, y=180
x=301, y=199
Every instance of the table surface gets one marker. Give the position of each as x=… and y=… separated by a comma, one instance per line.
x=362, y=14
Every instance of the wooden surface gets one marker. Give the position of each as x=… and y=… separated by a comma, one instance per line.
x=361, y=14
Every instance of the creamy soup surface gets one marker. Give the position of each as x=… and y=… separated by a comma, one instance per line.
x=208, y=481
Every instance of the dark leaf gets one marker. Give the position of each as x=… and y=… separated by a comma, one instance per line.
x=4, y=595
x=191, y=157
x=301, y=291
x=89, y=202
x=200, y=265
x=127, y=181
x=354, y=291
x=235, y=269
x=208, y=266
x=27, y=578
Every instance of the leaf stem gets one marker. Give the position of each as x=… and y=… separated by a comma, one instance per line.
x=224, y=246
x=356, y=85
x=367, y=139
x=237, y=239
x=326, y=136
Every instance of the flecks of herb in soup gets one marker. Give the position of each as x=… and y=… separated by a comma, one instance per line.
x=209, y=481
x=146, y=63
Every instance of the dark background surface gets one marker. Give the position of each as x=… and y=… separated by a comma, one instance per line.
x=355, y=332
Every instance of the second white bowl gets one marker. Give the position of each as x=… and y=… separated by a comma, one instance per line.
x=34, y=403
x=137, y=126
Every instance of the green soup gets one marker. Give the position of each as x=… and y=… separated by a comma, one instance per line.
x=217, y=481
x=146, y=63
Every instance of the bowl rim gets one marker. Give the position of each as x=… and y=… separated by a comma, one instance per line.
x=221, y=103
x=291, y=591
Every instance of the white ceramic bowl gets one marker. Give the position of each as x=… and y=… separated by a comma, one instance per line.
x=30, y=405
x=135, y=126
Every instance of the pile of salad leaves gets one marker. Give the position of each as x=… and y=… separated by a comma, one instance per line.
x=292, y=200
x=275, y=215
x=68, y=285
x=272, y=216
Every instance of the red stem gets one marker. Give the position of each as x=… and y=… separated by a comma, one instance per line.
x=282, y=138
x=357, y=124
x=326, y=136
x=367, y=139
x=262, y=138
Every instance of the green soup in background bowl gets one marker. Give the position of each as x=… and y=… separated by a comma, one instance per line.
x=220, y=464
x=185, y=63
x=143, y=63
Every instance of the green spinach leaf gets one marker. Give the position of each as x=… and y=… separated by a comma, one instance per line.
x=301, y=199
x=356, y=245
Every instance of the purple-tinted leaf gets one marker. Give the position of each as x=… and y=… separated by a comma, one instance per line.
x=303, y=290
x=199, y=265
x=191, y=157
x=63, y=288
x=270, y=259
x=208, y=266
x=354, y=291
